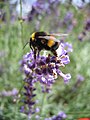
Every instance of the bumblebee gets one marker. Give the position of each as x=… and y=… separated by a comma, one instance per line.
x=42, y=40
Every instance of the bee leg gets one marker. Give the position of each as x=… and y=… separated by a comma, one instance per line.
x=35, y=51
x=38, y=53
x=30, y=44
x=55, y=53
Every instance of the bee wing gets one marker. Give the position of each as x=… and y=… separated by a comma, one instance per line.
x=49, y=38
x=59, y=35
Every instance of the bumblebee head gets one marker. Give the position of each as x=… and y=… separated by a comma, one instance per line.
x=32, y=38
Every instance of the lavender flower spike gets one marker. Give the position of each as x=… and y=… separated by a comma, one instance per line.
x=44, y=70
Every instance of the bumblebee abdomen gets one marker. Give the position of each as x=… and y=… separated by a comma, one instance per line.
x=50, y=43
x=55, y=46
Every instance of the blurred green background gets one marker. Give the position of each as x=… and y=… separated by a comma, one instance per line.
x=73, y=98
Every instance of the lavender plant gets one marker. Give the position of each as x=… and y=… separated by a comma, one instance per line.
x=42, y=7
x=45, y=70
x=86, y=30
x=60, y=116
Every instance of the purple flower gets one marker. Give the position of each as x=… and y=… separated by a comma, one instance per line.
x=13, y=92
x=44, y=70
x=87, y=27
x=41, y=7
x=77, y=84
x=22, y=109
x=37, y=117
x=37, y=110
x=85, y=30
x=60, y=116
x=68, y=17
x=66, y=77
x=80, y=37
x=80, y=78
x=29, y=95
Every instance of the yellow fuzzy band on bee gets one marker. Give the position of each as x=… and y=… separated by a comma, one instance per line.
x=50, y=43
x=33, y=36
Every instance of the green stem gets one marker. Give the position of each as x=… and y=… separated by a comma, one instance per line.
x=42, y=104
x=21, y=22
x=20, y=8
x=75, y=113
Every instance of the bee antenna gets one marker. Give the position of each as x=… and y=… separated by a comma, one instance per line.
x=25, y=45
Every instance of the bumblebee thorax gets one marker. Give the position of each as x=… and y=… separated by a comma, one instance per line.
x=33, y=36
